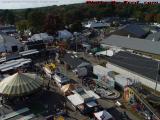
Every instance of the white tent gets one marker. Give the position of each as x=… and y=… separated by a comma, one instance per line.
x=41, y=36
x=64, y=34
x=103, y=115
x=106, y=53
x=95, y=25
x=75, y=99
x=100, y=70
x=123, y=81
x=7, y=43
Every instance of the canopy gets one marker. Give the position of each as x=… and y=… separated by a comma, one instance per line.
x=103, y=115
x=67, y=87
x=13, y=64
x=20, y=84
x=105, y=52
x=41, y=36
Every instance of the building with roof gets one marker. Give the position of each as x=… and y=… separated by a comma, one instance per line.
x=96, y=24
x=39, y=45
x=14, y=64
x=131, y=43
x=17, y=55
x=100, y=70
x=41, y=37
x=64, y=34
x=9, y=44
x=132, y=30
x=154, y=36
x=9, y=29
x=81, y=95
x=79, y=65
x=73, y=62
x=61, y=79
x=111, y=78
x=104, y=79
x=138, y=68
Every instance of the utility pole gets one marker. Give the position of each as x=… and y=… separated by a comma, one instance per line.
x=157, y=77
x=76, y=34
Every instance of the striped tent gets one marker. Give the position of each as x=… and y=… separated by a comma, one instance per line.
x=20, y=84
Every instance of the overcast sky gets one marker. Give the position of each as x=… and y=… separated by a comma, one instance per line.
x=18, y=4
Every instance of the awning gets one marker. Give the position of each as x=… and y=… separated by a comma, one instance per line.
x=29, y=52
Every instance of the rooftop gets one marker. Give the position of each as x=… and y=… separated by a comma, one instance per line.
x=73, y=60
x=137, y=64
x=134, y=30
x=154, y=36
x=133, y=43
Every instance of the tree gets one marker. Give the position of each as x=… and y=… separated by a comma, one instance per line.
x=52, y=23
x=22, y=25
x=36, y=21
x=66, y=18
x=26, y=13
x=77, y=26
x=158, y=18
x=1, y=20
x=139, y=15
x=9, y=17
x=149, y=18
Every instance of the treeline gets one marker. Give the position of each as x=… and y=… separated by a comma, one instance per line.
x=53, y=18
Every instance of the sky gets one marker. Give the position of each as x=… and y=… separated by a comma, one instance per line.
x=20, y=4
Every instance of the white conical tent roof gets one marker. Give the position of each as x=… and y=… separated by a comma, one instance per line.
x=20, y=84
